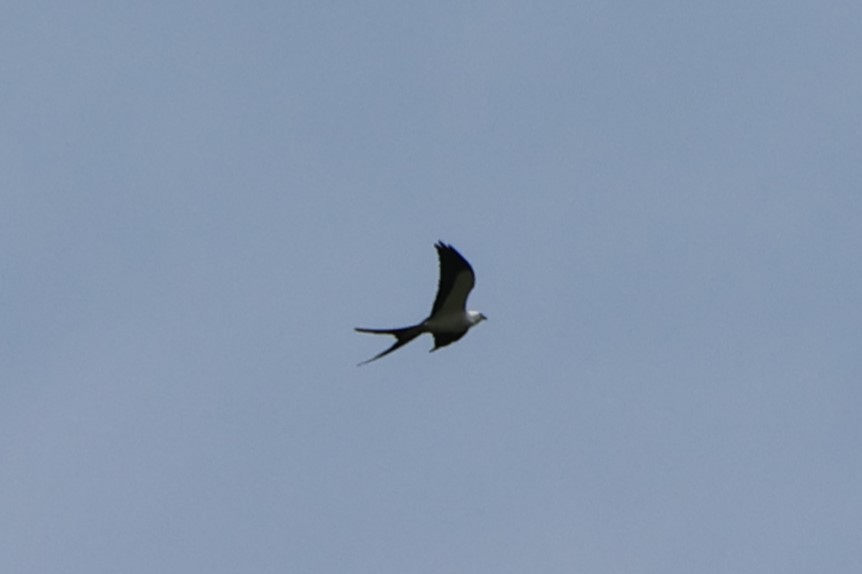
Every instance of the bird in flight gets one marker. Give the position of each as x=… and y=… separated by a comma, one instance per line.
x=449, y=320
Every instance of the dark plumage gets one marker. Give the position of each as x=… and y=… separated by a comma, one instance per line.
x=449, y=319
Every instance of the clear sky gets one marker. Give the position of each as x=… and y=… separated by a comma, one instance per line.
x=200, y=200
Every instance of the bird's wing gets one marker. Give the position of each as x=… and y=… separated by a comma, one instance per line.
x=443, y=339
x=456, y=281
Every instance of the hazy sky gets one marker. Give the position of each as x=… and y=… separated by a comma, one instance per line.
x=200, y=200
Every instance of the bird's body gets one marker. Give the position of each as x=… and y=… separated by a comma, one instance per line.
x=453, y=322
x=449, y=319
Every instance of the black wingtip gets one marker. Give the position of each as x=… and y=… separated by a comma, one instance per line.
x=444, y=246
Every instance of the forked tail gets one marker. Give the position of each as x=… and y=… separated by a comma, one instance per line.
x=403, y=335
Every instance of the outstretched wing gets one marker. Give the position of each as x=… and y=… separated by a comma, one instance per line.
x=456, y=281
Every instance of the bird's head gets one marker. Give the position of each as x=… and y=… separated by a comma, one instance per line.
x=476, y=317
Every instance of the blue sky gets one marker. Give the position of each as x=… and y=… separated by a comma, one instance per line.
x=661, y=200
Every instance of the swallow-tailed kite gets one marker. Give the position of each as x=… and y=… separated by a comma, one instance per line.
x=449, y=319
